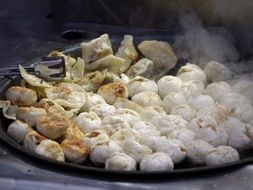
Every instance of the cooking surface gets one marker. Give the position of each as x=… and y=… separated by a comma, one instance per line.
x=24, y=38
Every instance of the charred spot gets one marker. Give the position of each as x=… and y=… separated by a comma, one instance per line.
x=94, y=134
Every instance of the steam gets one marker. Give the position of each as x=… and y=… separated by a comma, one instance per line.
x=200, y=45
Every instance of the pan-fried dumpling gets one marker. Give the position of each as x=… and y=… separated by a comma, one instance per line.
x=110, y=62
x=216, y=71
x=66, y=97
x=69, y=61
x=183, y=134
x=75, y=151
x=110, y=92
x=103, y=110
x=92, y=81
x=30, y=115
x=185, y=110
x=125, y=134
x=150, y=112
x=140, y=84
x=9, y=111
x=128, y=115
x=173, y=99
x=125, y=103
x=96, y=48
x=192, y=87
x=234, y=100
x=50, y=149
x=77, y=70
x=52, y=107
x=32, y=79
x=199, y=101
x=144, y=67
x=217, y=89
x=32, y=140
x=21, y=96
x=92, y=99
x=127, y=51
x=161, y=54
x=17, y=130
x=147, y=98
x=120, y=161
x=92, y=138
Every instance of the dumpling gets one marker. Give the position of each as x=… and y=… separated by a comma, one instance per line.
x=173, y=99
x=75, y=151
x=192, y=87
x=128, y=115
x=206, y=129
x=183, y=134
x=30, y=115
x=185, y=110
x=103, y=110
x=146, y=129
x=69, y=61
x=32, y=140
x=152, y=141
x=126, y=103
x=72, y=132
x=144, y=67
x=216, y=71
x=77, y=70
x=150, y=112
x=127, y=51
x=135, y=149
x=110, y=92
x=50, y=149
x=168, y=84
x=217, y=89
x=161, y=54
x=92, y=138
x=234, y=100
x=120, y=161
x=21, y=96
x=18, y=130
x=92, y=99
x=122, y=135
x=9, y=110
x=52, y=107
x=87, y=121
x=147, y=98
x=96, y=48
x=140, y=84
x=221, y=155
x=52, y=126
x=158, y=161
x=197, y=151
x=241, y=86
x=101, y=152
x=199, y=101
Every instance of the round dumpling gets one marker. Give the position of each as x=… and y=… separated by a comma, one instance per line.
x=147, y=98
x=216, y=71
x=221, y=155
x=168, y=84
x=150, y=112
x=128, y=115
x=185, y=110
x=173, y=99
x=242, y=85
x=217, y=89
x=92, y=138
x=199, y=101
x=103, y=110
x=197, y=151
x=87, y=121
x=32, y=140
x=192, y=87
x=140, y=84
x=125, y=134
x=158, y=161
x=120, y=161
x=183, y=134
x=152, y=141
x=146, y=129
x=233, y=100
x=92, y=100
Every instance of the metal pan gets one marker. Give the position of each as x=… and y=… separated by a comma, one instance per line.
x=87, y=168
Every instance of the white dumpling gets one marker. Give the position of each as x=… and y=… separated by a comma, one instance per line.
x=161, y=54
x=32, y=140
x=136, y=150
x=197, y=151
x=88, y=121
x=217, y=89
x=126, y=103
x=216, y=71
x=103, y=110
x=92, y=138
x=173, y=148
x=233, y=100
x=17, y=130
x=128, y=115
x=120, y=161
x=221, y=155
x=50, y=149
x=192, y=87
x=249, y=93
x=173, y=99
x=199, y=101
x=206, y=129
x=122, y=135
x=21, y=96
x=168, y=84
x=167, y=123
x=127, y=51
x=237, y=132
x=146, y=129
x=185, y=110
x=9, y=110
x=110, y=92
x=243, y=113
x=101, y=152
x=158, y=161
x=75, y=151
x=52, y=126
x=96, y=48
x=147, y=98
x=30, y=115
x=152, y=141
x=183, y=134
x=92, y=99
x=144, y=67
x=150, y=112
x=140, y=84
x=241, y=85
x=191, y=72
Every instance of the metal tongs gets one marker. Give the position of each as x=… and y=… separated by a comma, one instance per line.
x=49, y=68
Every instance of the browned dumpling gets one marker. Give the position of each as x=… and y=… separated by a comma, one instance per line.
x=52, y=126
x=30, y=114
x=73, y=132
x=32, y=140
x=75, y=151
x=21, y=96
x=110, y=92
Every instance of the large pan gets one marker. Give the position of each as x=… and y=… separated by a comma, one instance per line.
x=88, y=168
